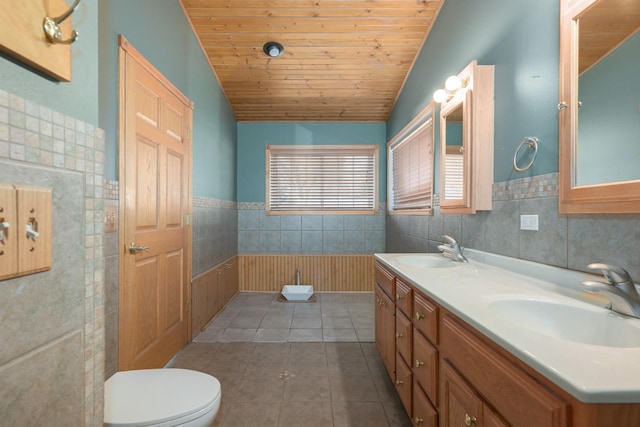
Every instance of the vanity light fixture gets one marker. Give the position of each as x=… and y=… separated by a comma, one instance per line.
x=452, y=85
x=273, y=49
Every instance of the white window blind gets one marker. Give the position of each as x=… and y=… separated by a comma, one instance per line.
x=327, y=178
x=454, y=171
x=411, y=161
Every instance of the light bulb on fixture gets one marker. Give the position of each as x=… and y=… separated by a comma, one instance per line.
x=452, y=84
x=440, y=96
x=273, y=49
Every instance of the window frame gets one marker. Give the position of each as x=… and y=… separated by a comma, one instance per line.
x=420, y=120
x=335, y=150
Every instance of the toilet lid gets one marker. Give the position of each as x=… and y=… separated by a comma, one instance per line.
x=151, y=396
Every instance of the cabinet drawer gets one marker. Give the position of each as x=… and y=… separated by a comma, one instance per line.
x=404, y=297
x=424, y=415
x=404, y=383
x=519, y=398
x=385, y=280
x=425, y=318
x=404, y=339
x=425, y=366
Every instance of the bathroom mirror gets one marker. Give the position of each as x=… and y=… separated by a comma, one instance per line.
x=466, y=142
x=599, y=129
x=455, y=141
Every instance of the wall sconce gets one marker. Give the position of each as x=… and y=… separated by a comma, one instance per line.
x=451, y=86
x=273, y=49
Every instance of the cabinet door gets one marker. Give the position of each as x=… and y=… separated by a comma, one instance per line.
x=425, y=366
x=404, y=297
x=424, y=414
x=404, y=383
x=385, y=280
x=385, y=325
x=404, y=336
x=459, y=405
x=425, y=317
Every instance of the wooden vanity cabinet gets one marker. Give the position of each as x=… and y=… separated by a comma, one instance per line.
x=385, y=322
x=404, y=297
x=424, y=414
x=461, y=406
x=518, y=397
x=425, y=366
x=404, y=343
x=449, y=374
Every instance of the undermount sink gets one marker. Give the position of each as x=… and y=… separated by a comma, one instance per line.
x=570, y=322
x=427, y=261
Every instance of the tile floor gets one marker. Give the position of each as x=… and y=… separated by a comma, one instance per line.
x=297, y=379
x=260, y=317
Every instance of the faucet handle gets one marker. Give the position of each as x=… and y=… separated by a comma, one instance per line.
x=449, y=240
x=612, y=273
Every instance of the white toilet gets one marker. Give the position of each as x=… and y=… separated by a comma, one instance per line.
x=161, y=398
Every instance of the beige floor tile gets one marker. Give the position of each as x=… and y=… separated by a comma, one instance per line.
x=307, y=414
x=261, y=389
x=305, y=335
x=359, y=414
x=353, y=388
x=249, y=414
x=306, y=388
x=339, y=335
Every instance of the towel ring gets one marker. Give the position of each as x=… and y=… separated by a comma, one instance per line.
x=532, y=143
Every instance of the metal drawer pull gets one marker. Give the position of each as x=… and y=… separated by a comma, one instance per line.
x=398, y=335
x=418, y=420
x=399, y=297
x=419, y=315
x=398, y=382
x=419, y=363
x=469, y=420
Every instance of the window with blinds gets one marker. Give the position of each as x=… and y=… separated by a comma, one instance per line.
x=411, y=167
x=322, y=179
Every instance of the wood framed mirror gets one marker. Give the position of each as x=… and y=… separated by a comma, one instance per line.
x=599, y=101
x=466, y=143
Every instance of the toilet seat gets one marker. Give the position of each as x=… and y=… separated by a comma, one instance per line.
x=159, y=397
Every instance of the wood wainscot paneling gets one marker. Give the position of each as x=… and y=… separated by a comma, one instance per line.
x=326, y=273
x=211, y=291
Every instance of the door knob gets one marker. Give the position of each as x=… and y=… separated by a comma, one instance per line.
x=133, y=248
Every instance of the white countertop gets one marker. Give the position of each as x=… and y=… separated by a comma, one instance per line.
x=591, y=373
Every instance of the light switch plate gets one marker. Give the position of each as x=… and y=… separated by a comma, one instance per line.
x=110, y=218
x=33, y=211
x=8, y=236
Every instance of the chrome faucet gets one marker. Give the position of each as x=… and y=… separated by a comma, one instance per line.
x=452, y=249
x=618, y=288
x=298, y=276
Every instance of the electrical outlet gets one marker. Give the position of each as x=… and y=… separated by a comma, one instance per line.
x=529, y=222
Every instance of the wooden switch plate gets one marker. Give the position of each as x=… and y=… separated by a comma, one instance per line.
x=33, y=212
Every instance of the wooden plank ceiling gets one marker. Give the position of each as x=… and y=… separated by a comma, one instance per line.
x=343, y=60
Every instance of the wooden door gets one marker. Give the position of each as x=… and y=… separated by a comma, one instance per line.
x=155, y=200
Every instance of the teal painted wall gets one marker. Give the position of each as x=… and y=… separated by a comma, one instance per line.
x=79, y=98
x=159, y=30
x=520, y=38
x=254, y=137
